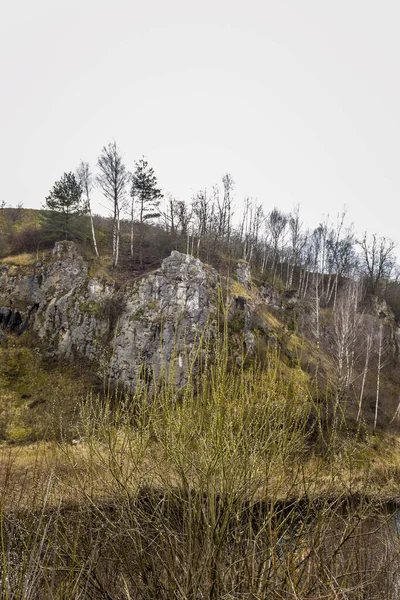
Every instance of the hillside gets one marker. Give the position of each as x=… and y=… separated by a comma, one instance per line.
x=174, y=428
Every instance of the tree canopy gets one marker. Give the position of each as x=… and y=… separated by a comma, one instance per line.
x=65, y=199
x=144, y=188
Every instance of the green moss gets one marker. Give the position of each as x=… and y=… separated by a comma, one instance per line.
x=91, y=308
x=153, y=305
x=143, y=311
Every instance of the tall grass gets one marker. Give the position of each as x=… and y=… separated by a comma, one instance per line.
x=202, y=493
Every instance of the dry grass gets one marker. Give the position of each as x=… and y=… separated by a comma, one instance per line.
x=214, y=491
x=20, y=260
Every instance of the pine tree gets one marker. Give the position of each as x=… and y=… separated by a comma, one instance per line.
x=65, y=201
x=144, y=189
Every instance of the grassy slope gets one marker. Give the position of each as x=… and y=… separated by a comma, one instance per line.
x=230, y=490
x=44, y=402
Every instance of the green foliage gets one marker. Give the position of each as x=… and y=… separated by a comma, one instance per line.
x=64, y=202
x=144, y=188
x=66, y=195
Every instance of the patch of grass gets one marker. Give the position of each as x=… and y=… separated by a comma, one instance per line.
x=100, y=267
x=20, y=260
x=39, y=398
x=16, y=434
x=271, y=320
x=237, y=289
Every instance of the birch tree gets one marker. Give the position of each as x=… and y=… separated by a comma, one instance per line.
x=378, y=259
x=276, y=223
x=85, y=179
x=382, y=351
x=225, y=208
x=297, y=243
x=368, y=348
x=346, y=328
x=113, y=179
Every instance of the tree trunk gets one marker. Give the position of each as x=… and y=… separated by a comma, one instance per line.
x=93, y=233
x=369, y=339
x=378, y=375
x=132, y=228
x=117, y=242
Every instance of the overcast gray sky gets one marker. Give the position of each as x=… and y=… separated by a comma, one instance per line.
x=298, y=99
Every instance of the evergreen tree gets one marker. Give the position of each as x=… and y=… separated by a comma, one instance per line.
x=64, y=202
x=144, y=188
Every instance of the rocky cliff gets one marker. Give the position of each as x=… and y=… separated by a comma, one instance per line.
x=153, y=321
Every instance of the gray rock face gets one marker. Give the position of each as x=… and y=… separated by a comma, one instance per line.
x=5, y=315
x=162, y=317
x=270, y=295
x=243, y=273
x=155, y=320
x=133, y=332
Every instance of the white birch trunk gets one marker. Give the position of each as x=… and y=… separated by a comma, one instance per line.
x=378, y=375
x=93, y=233
x=369, y=343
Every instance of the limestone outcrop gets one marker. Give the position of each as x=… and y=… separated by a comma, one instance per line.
x=154, y=320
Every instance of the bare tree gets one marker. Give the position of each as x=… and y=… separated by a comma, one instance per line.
x=378, y=259
x=276, y=224
x=85, y=178
x=315, y=322
x=131, y=216
x=297, y=242
x=346, y=328
x=319, y=238
x=184, y=217
x=113, y=180
x=170, y=214
x=368, y=348
x=382, y=361
x=245, y=230
x=332, y=251
x=203, y=213
x=225, y=209
x=252, y=220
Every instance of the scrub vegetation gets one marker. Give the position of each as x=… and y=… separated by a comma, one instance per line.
x=233, y=487
x=270, y=474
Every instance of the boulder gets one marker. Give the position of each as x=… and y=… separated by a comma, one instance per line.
x=243, y=273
